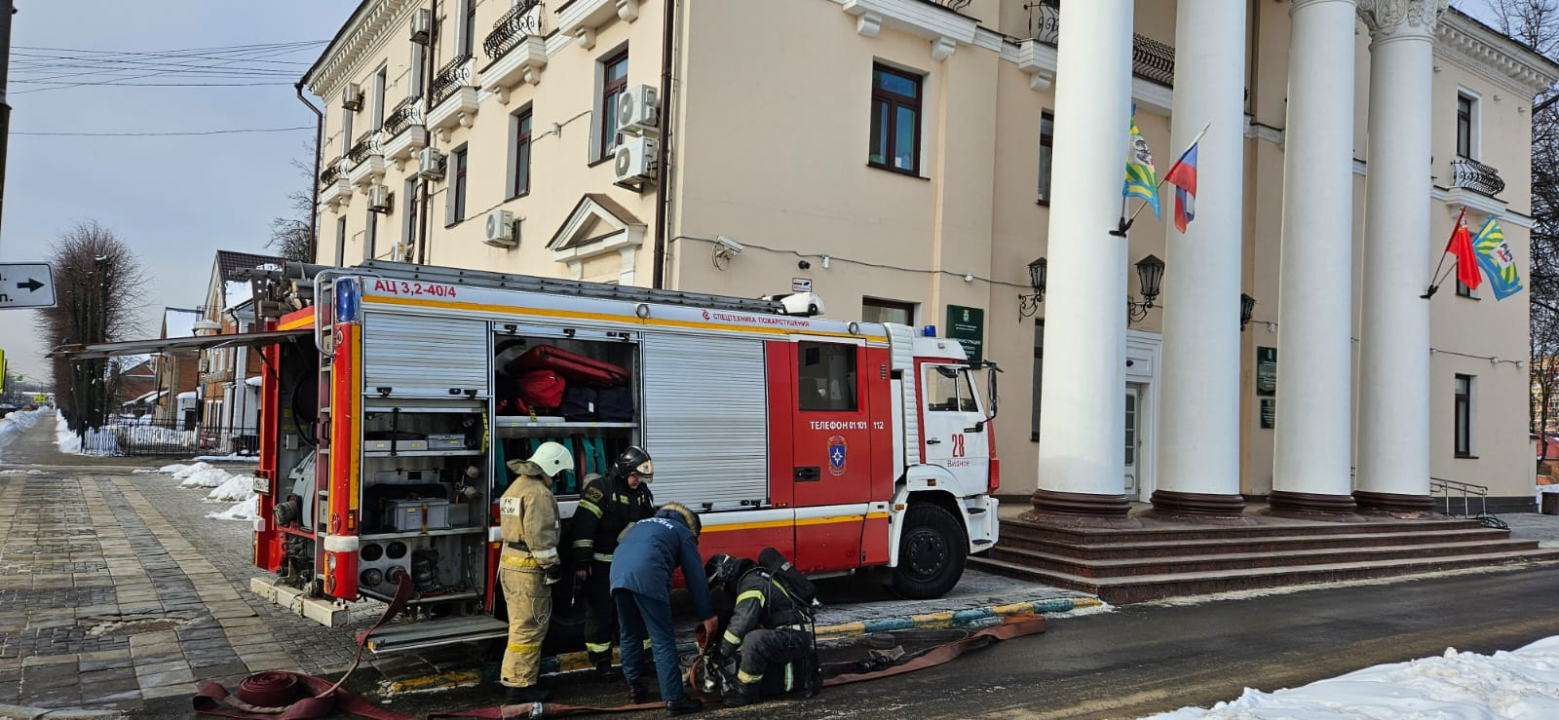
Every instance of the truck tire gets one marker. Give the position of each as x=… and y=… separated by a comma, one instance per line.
x=932, y=553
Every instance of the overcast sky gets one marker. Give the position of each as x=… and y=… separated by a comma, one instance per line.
x=173, y=200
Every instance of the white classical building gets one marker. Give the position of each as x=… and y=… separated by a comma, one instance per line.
x=913, y=159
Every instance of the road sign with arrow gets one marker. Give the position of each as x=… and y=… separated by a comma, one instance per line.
x=26, y=285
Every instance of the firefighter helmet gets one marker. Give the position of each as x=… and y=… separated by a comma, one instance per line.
x=552, y=458
x=634, y=461
x=723, y=568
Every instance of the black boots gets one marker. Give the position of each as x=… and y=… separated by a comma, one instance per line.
x=742, y=694
x=684, y=706
x=638, y=693
x=605, y=673
x=521, y=695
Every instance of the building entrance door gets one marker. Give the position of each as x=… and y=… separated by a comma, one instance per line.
x=1133, y=440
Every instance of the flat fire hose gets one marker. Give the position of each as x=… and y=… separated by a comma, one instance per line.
x=275, y=695
x=1013, y=626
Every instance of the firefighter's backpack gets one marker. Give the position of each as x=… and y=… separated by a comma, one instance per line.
x=782, y=570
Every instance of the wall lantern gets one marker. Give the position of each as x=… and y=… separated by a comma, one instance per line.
x=1150, y=270
x=1028, y=305
x=1247, y=306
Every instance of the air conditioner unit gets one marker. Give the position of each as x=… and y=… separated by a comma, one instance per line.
x=635, y=160
x=501, y=229
x=204, y=365
x=421, y=26
x=379, y=198
x=352, y=98
x=638, y=110
x=430, y=164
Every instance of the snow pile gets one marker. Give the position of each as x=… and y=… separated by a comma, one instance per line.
x=243, y=510
x=225, y=487
x=11, y=426
x=235, y=487
x=201, y=475
x=1521, y=685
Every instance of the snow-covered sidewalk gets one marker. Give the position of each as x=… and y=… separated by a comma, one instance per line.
x=224, y=487
x=1522, y=684
x=12, y=426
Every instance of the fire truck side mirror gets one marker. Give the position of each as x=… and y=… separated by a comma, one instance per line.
x=991, y=372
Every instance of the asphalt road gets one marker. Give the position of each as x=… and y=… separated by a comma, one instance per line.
x=1144, y=659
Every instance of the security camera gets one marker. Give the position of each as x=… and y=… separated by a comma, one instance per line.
x=804, y=265
x=728, y=245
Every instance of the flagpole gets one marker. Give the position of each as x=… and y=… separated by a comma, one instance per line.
x=1434, y=286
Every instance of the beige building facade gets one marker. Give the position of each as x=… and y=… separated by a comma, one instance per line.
x=900, y=155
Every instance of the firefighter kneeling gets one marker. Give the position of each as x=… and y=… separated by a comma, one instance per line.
x=769, y=634
x=529, y=563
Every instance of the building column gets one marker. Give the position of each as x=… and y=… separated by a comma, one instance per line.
x=1199, y=419
x=1311, y=474
x=1393, y=452
x=1081, y=463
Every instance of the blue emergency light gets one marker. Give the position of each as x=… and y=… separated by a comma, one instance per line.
x=928, y=331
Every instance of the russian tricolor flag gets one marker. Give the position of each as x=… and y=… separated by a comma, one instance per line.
x=1183, y=176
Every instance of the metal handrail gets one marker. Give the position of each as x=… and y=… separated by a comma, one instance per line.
x=455, y=74
x=954, y=5
x=515, y=25
x=331, y=174
x=365, y=147
x=1473, y=175
x=404, y=116
x=1467, y=490
x=1150, y=59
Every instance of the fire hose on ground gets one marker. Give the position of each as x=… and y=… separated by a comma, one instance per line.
x=281, y=695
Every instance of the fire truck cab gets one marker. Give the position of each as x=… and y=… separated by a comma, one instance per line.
x=399, y=393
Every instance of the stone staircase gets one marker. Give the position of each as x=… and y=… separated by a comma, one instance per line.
x=1169, y=559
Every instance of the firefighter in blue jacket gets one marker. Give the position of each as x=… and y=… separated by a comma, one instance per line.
x=651, y=551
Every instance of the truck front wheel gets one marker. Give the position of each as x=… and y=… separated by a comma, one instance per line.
x=932, y=553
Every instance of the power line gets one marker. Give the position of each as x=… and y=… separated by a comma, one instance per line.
x=190, y=133
x=238, y=54
x=109, y=83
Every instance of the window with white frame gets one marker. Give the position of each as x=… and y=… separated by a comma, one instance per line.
x=1464, y=415
x=1466, y=126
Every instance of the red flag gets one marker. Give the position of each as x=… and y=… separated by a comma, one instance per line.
x=1466, y=260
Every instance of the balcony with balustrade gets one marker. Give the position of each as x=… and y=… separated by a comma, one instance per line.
x=1151, y=60
x=365, y=161
x=404, y=133
x=454, y=96
x=517, y=49
x=333, y=187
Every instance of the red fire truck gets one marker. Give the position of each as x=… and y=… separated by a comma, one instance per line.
x=388, y=417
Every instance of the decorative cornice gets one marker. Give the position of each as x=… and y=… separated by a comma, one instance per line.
x=1401, y=19
x=369, y=29
x=1493, y=56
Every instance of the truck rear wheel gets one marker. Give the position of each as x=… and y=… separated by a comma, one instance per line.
x=932, y=553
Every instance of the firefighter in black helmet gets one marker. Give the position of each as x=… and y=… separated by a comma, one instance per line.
x=607, y=506
x=765, y=631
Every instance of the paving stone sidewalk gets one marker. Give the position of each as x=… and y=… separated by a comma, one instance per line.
x=116, y=598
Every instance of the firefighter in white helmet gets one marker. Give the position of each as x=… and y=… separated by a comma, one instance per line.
x=529, y=565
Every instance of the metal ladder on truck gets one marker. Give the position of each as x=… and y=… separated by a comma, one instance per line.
x=578, y=288
x=1468, y=490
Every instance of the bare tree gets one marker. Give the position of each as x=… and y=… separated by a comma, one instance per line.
x=1545, y=377
x=292, y=235
x=98, y=283
x=1534, y=22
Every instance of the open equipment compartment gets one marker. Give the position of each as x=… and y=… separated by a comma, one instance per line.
x=572, y=386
